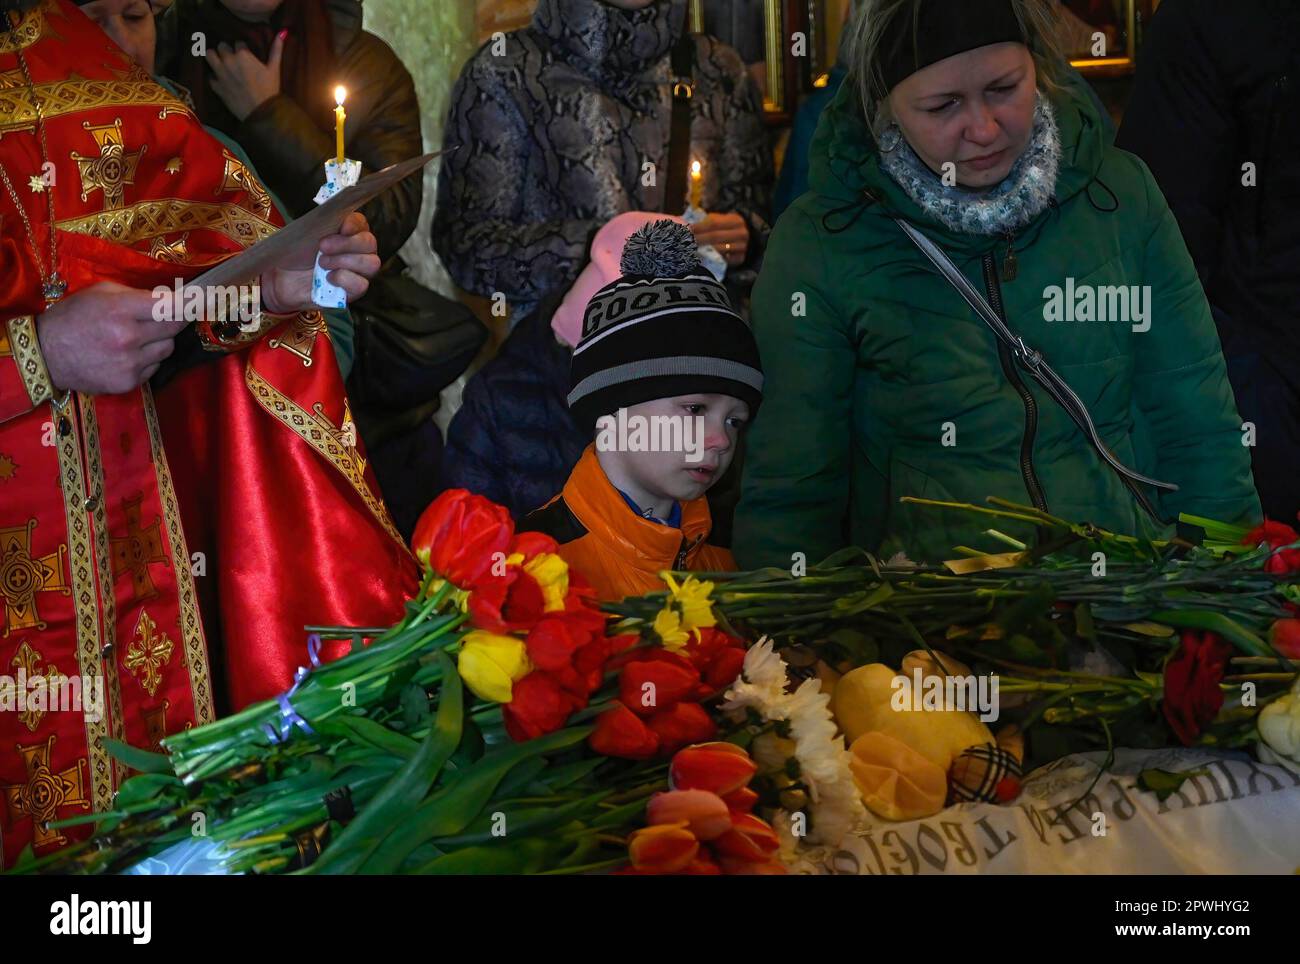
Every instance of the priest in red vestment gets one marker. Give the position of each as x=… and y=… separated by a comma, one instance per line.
x=168, y=548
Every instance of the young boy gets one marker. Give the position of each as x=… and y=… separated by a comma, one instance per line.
x=665, y=377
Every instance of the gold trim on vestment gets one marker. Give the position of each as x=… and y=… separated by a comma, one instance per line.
x=72, y=477
x=317, y=431
x=24, y=33
x=104, y=568
x=193, y=642
x=146, y=220
x=76, y=95
x=26, y=349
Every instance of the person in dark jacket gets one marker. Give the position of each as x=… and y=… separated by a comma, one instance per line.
x=564, y=124
x=268, y=81
x=883, y=383
x=1214, y=113
x=513, y=439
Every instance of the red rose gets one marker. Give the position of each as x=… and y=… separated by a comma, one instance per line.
x=1285, y=637
x=1276, y=535
x=619, y=732
x=1192, y=697
x=538, y=706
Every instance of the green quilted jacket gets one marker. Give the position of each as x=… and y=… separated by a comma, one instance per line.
x=882, y=383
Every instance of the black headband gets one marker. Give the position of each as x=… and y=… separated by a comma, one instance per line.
x=943, y=28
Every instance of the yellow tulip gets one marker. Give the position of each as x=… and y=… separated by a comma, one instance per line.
x=552, y=574
x=489, y=664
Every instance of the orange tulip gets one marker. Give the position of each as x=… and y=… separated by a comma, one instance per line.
x=662, y=849
x=705, y=814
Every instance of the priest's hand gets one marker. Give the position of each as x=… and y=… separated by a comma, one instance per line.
x=104, y=340
x=351, y=257
x=728, y=233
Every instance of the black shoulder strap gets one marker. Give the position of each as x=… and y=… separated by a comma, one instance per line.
x=554, y=519
x=679, y=143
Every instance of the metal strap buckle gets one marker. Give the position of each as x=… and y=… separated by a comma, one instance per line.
x=1030, y=357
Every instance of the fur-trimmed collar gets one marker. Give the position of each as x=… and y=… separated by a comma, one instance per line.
x=1007, y=206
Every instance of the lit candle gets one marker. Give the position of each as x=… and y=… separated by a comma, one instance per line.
x=339, y=118
x=697, y=183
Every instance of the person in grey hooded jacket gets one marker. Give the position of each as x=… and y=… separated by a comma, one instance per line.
x=560, y=126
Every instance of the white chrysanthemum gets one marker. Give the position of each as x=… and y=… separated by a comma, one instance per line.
x=761, y=684
x=823, y=763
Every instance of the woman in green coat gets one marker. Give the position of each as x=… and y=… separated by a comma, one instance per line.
x=882, y=382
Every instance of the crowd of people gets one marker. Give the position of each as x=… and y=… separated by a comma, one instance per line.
x=182, y=499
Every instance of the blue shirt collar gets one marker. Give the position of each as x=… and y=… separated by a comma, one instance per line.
x=674, y=520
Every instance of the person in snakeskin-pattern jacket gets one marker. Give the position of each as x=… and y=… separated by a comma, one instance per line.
x=554, y=127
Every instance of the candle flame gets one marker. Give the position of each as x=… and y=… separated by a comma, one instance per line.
x=696, y=169
x=340, y=93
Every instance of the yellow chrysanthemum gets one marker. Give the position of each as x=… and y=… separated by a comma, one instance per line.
x=490, y=663
x=552, y=574
x=668, y=626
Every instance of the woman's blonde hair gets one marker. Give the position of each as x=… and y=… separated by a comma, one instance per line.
x=1039, y=19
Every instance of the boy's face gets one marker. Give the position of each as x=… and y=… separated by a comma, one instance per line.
x=672, y=448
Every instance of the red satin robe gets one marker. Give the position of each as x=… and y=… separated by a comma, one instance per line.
x=172, y=547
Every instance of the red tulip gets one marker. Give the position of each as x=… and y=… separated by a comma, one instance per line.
x=1285, y=637
x=681, y=725
x=718, y=767
x=749, y=839
x=620, y=733
x=1192, y=697
x=1276, y=535
x=538, y=706
x=553, y=643
x=647, y=687
x=460, y=535
x=724, y=669
x=741, y=801
x=703, y=812
x=665, y=849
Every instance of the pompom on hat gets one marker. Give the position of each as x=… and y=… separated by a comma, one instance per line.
x=603, y=268
x=665, y=328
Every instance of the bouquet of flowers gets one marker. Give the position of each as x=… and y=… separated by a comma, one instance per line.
x=497, y=728
x=509, y=724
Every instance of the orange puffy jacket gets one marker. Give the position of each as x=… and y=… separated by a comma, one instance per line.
x=620, y=553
